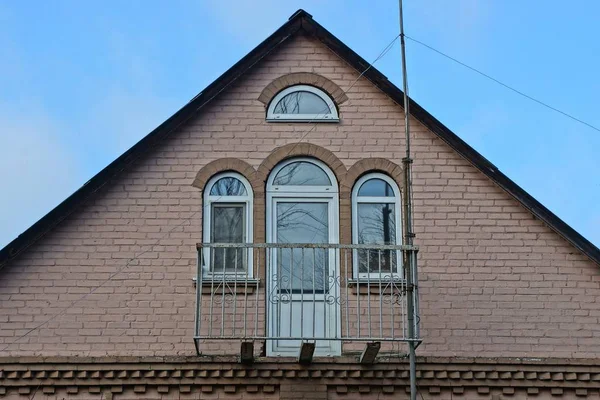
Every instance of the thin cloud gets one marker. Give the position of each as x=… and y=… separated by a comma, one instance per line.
x=252, y=21
x=120, y=118
x=48, y=153
x=480, y=128
x=449, y=22
x=37, y=170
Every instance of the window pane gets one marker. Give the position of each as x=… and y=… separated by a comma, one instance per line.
x=302, y=271
x=376, y=225
x=228, y=226
x=302, y=173
x=228, y=186
x=377, y=188
x=301, y=102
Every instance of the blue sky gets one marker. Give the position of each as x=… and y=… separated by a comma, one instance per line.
x=80, y=82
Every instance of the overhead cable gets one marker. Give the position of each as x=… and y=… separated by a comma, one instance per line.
x=504, y=84
x=317, y=116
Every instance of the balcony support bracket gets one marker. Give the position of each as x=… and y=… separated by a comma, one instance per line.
x=307, y=350
x=247, y=353
x=370, y=352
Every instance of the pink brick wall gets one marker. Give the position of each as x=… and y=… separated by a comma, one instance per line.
x=494, y=280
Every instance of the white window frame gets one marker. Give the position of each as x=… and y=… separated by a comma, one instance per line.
x=246, y=200
x=356, y=200
x=304, y=193
x=331, y=116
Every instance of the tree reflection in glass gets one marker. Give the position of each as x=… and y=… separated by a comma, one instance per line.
x=228, y=227
x=376, y=224
x=302, y=271
x=301, y=102
x=228, y=186
x=302, y=173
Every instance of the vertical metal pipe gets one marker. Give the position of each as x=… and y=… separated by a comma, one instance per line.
x=408, y=233
x=404, y=83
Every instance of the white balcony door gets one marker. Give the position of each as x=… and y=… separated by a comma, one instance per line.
x=303, y=281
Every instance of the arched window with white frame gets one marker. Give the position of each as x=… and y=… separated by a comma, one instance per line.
x=302, y=103
x=228, y=207
x=376, y=221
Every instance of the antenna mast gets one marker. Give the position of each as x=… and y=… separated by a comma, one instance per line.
x=409, y=254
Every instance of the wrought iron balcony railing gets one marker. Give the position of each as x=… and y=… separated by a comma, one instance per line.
x=290, y=294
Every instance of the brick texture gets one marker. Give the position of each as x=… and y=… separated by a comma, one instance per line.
x=494, y=281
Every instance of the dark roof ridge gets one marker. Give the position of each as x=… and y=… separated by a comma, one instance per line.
x=300, y=14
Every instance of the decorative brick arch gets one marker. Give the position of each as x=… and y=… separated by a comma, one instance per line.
x=367, y=165
x=305, y=78
x=248, y=172
x=360, y=168
x=304, y=150
x=298, y=150
x=224, y=165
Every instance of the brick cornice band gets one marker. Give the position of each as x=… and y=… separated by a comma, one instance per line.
x=137, y=375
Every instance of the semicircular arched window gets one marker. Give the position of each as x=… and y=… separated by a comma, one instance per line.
x=376, y=221
x=302, y=103
x=301, y=173
x=227, y=219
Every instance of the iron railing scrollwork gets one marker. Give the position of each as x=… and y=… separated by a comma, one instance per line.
x=315, y=291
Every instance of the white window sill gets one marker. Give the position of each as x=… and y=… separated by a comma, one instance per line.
x=218, y=279
x=365, y=285
x=231, y=284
